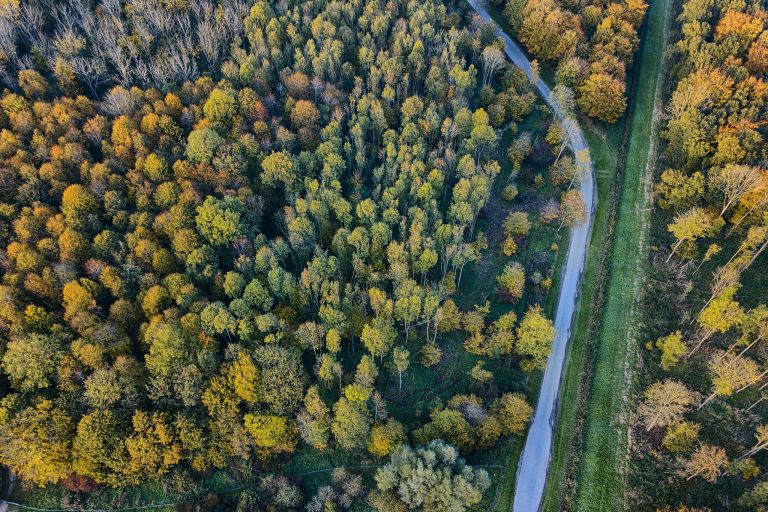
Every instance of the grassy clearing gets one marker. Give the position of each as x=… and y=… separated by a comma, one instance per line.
x=601, y=477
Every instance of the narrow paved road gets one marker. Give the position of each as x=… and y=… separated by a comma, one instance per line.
x=532, y=472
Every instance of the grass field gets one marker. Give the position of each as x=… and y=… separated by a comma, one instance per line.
x=601, y=478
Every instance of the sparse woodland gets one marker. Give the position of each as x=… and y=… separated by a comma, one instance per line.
x=230, y=230
x=701, y=429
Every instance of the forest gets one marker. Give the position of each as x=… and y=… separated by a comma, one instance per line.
x=590, y=45
x=233, y=234
x=700, y=431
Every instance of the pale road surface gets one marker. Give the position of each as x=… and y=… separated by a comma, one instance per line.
x=532, y=471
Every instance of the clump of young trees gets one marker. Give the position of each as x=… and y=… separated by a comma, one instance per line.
x=430, y=478
x=202, y=270
x=703, y=406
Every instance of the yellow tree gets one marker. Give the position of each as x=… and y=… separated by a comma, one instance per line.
x=602, y=96
x=729, y=372
x=722, y=313
x=672, y=349
x=707, y=461
x=535, y=335
x=761, y=438
x=734, y=181
x=689, y=226
x=664, y=403
x=35, y=443
x=573, y=211
x=271, y=434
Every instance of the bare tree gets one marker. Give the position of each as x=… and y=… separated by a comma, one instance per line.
x=492, y=59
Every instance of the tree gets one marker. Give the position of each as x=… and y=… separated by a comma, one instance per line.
x=602, y=96
x=535, y=335
x=672, y=349
x=401, y=360
x=282, y=378
x=729, y=373
x=35, y=443
x=677, y=190
x=156, y=168
x=681, y=436
x=351, y=424
x=153, y=447
x=734, y=181
x=492, y=59
x=271, y=434
x=169, y=348
x=202, y=145
x=479, y=375
x=278, y=169
x=220, y=107
x=220, y=221
x=689, y=226
x=78, y=205
x=719, y=315
x=513, y=413
x=664, y=403
x=304, y=114
x=519, y=149
x=386, y=437
x=449, y=425
x=431, y=354
x=512, y=280
x=378, y=338
x=707, y=461
x=432, y=478
x=573, y=211
x=98, y=451
x=314, y=421
x=31, y=360
x=103, y=388
x=243, y=376
x=761, y=438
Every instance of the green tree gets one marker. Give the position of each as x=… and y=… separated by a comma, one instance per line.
x=220, y=107
x=31, y=360
x=401, y=359
x=442, y=482
x=202, y=145
x=351, y=424
x=220, y=221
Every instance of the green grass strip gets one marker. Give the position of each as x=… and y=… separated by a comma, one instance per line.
x=601, y=477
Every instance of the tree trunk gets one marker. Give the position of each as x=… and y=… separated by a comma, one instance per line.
x=674, y=248
x=756, y=379
x=698, y=345
x=755, y=403
x=705, y=402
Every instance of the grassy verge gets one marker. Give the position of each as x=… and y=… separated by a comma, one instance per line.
x=601, y=477
x=604, y=159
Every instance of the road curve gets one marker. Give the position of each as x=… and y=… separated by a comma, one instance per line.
x=534, y=463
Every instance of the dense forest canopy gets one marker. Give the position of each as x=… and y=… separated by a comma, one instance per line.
x=223, y=223
x=701, y=413
x=591, y=46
